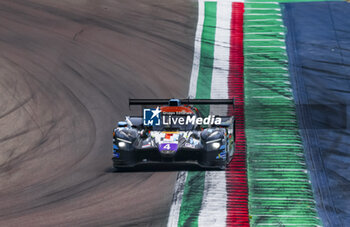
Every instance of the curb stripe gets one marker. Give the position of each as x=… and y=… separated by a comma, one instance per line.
x=174, y=214
x=192, y=199
x=219, y=88
x=213, y=210
x=207, y=51
x=197, y=51
x=236, y=176
x=194, y=187
x=205, y=198
x=177, y=199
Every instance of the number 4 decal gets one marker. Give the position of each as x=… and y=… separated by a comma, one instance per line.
x=167, y=146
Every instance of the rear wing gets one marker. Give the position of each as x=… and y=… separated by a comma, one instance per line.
x=182, y=101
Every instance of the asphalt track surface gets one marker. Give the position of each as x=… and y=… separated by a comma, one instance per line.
x=318, y=44
x=67, y=71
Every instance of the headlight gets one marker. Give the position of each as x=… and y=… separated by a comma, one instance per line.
x=216, y=145
x=121, y=144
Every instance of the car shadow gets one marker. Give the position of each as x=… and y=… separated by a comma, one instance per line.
x=161, y=167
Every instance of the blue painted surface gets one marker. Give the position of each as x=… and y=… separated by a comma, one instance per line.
x=318, y=45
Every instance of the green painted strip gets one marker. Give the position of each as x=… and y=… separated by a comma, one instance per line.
x=207, y=55
x=192, y=199
x=279, y=189
x=194, y=187
x=207, y=51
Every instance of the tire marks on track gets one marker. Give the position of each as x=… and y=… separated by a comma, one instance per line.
x=63, y=97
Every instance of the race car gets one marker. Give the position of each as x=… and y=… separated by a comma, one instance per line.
x=174, y=132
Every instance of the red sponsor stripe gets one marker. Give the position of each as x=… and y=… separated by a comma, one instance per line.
x=236, y=175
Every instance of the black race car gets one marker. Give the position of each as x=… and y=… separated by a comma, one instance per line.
x=174, y=132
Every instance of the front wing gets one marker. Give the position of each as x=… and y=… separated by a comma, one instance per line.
x=201, y=157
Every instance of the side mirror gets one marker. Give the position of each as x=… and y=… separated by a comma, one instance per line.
x=224, y=124
x=226, y=121
x=122, y=124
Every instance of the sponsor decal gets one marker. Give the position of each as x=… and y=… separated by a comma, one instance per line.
x=168, y=147
x=168, y=136
x=146, y=145
x=151, y=117
x=155, y=117
x=222, y=155
x=185, y=120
